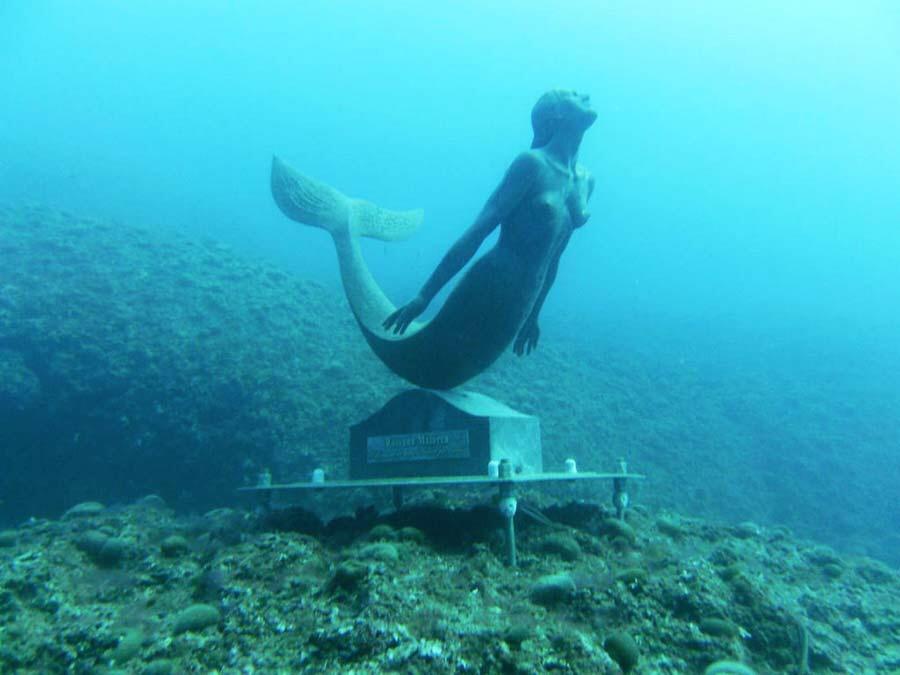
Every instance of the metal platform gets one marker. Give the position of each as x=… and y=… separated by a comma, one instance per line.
x=428, y=481
x=505, y=481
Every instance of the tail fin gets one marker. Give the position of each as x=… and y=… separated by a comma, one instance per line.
x=369, y=220
x=311, y=202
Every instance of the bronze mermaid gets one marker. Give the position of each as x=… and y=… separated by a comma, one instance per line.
x=541, y=200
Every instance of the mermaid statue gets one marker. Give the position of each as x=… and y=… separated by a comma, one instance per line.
x=538, y=204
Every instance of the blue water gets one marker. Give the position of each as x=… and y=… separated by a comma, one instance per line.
x=747, y=156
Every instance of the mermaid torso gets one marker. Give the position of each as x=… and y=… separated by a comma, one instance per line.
x=492, y=300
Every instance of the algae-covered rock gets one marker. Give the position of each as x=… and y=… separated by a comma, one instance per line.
x=85, y=510
x=382, y=532
x=631, y=576
x=720, y=628
x=552, y=589
x=153, y=502
x=91, y=541
x=104, y=551
x=379, y=552
x=195, y=618
x=281, y=619
x=876, y=572
x=413, y=534
x=9, y=608
x=209, y=584
x=8, y=538
x=623, y=650
x=561, y=544
x=746, y=530
x=129, y=645
x=728, y=668
x=518, y=632
x=113, y=552
x=348, y=576
x=615, y=528
x=732, y=571
x=670, y=527
x=174, y=546
x=833, y=570
x=160, y=667
x=20, y=388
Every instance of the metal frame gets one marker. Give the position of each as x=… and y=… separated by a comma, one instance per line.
x=441, y=480
x=505, y=481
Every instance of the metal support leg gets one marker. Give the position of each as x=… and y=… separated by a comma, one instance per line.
x=511, y=557
x=264, y=497
x=508, y=511
x=620, y=492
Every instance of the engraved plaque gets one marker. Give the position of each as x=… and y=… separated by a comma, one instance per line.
x=439, y=433
x=453, y=444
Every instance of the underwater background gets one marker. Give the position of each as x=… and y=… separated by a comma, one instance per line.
x=727, y=322
x=728, y=317
x=738, y=278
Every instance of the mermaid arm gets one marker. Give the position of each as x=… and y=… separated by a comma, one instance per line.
x=504, y=199
x=527, y=339
x=500, y=204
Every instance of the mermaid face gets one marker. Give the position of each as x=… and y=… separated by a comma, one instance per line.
x=576, y=107
x=559, y=109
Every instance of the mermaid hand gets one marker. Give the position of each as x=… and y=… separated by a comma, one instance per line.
x=527, y=339
x=400, y=319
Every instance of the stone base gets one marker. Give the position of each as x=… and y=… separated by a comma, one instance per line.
x=422, y=432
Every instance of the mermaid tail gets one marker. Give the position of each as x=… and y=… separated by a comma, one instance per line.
x=312, y=202
x=471, y=330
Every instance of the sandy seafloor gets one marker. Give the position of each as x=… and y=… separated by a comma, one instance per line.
x=135, y=362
